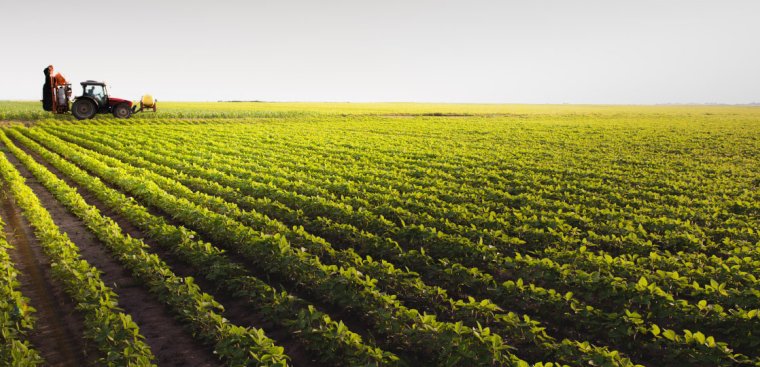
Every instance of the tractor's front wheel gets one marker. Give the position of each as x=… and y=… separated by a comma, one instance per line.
x=122, y=111
x=83, y=109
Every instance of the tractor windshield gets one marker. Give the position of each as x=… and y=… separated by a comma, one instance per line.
x=96, y=91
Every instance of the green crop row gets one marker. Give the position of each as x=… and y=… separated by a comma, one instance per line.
x=238, y=345
x=299, y=183
x=654, y=326
x=563, y=234
x=472, y=225
x=632, y=327
x=407, y=286
x=674, y=282
x=16, y=315
x=454, y=274
x=327, y=338
x=712, y=292
x=424, y=177
x=439, y=342
x=113, y=332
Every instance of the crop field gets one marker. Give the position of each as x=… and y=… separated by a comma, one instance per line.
x=349, y=234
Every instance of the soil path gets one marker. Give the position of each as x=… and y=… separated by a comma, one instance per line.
x=58, y=329
x=171, y=344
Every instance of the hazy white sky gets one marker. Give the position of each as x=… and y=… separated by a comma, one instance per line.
x=603, y=51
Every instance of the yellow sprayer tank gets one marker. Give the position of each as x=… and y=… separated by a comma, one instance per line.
x=148, y=101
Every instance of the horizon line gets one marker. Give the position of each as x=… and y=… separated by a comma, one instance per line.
x=749, y=104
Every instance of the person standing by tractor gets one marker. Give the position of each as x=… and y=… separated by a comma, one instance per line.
x=50, y=89
x=47, y=89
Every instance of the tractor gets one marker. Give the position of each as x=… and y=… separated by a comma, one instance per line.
x=95, y=99
x=56, y=94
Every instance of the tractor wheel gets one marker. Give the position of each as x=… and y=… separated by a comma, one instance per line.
x=83, y=109
x=122, y=111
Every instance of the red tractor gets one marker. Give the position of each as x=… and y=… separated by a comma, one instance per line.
x=94, y=99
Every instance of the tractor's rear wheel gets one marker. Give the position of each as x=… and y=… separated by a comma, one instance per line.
x=83, y=109
x=122, y=111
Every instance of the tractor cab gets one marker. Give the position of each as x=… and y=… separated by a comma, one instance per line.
x=96, y=90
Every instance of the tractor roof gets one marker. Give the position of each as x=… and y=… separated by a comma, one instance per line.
x=92, y=82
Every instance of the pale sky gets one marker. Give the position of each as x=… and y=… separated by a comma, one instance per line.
x=600, y=51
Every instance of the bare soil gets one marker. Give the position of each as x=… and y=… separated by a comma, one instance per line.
x=169, y=341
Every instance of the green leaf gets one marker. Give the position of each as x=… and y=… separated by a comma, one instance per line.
x=711, y=342
x=699, y=337
x=643, y=282
x=655, y=330
x=669, y=334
